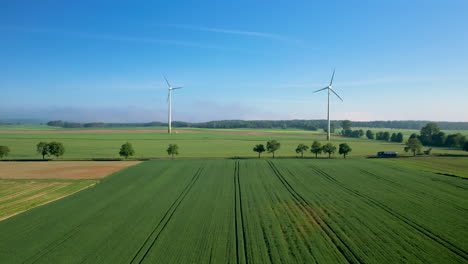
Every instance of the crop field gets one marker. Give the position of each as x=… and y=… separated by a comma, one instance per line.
x=452, y=166
x=250, y=211
x=24, y=185
x=192, y=145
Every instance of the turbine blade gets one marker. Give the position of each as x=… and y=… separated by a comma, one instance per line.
x=321, y=89
x=177, y=88
x=333, y=75
x=168, y=84
x=336, y=94
x=167, y=100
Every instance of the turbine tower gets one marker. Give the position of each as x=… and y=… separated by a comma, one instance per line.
x=329, y=88
x=169, y=102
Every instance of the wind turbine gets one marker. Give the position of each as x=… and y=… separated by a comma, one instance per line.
x=169, y=102
x=329, y=88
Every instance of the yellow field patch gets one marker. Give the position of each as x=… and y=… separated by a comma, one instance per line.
x=61, y=169
x=25, y=185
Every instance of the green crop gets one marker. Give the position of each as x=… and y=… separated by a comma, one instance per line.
x=250, y=211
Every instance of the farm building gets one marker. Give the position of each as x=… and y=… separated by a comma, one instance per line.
x=387, y=154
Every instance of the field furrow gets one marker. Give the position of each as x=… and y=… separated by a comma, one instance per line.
x=248, y=211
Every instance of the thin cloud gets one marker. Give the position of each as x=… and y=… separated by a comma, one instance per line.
x=107, y=37
x=375, y=81
x=237, y=32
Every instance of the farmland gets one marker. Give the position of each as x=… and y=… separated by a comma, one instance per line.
x=24, y=185
x=250, y=211
x=453, y=166
x=192, y=145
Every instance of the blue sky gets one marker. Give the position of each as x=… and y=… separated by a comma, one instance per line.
x=104, y=60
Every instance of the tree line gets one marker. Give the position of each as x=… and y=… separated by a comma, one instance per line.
x=281, y=124
x=430, y=135
x=57, y=149
x=316, y=148
x=127, y=150
x=385, y=136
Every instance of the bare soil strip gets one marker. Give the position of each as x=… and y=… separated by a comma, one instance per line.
x=70, y=170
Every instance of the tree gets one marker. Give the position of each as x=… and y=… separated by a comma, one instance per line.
x=42, y=149
x=386, y=136
x=316, y=148
x=301, y=148
x=465, y=147
x=4, y=151
x=347, y=132
x=399, y=137
x=329, y=148
x=273, y=146
x=413, y=145
x=379, y=135
x=361, y=133
x=393, y=137
x=126, y=150
x=172, y=150
x=332, y=128
x=259, y=148
x=344, y=149
x=427, y=132
x=439, y=139
x=455, y=140
x=56, y=148
x=369, y=134
x=58, y=123
x=346, y=124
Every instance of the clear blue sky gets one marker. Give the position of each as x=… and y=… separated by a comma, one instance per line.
x=104, y=60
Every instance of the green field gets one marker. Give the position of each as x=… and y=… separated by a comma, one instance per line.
x=250, y=211
x=453, y=166
x=192, y=145
x=20, y=195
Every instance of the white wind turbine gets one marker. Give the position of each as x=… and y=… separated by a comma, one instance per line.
x=329, y=88
x=169, y=102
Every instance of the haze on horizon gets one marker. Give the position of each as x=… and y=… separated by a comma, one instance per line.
x=86, y=61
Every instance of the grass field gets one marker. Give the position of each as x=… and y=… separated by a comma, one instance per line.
x=192, y=145
x=250, y=211
x=24, y=185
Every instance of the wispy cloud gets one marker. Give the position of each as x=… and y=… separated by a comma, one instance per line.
x=237, y=32
x=362, y=82
x=109, y=37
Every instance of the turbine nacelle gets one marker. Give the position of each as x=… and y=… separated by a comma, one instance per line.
x=330, y=88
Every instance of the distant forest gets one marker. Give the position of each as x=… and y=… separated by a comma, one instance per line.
x=282, y=124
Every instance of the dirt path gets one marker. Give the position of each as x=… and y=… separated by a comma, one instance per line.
x=116, y=131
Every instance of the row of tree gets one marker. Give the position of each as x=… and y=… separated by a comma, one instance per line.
x=430, y=135
x=272, y=146
x=348, y=132
x=385, y=136
x=44, y=148
x=126, y=150
x=352, y=133
x=301, y=124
